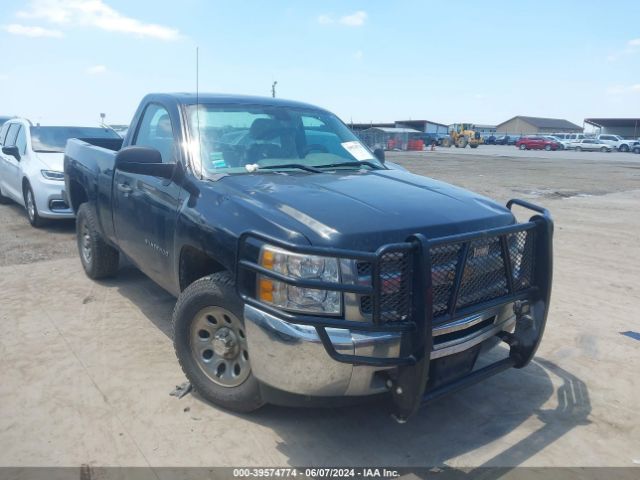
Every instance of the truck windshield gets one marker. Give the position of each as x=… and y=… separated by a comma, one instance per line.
x=244, y=138
x=54, y=139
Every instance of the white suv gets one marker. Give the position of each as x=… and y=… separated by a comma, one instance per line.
x=616, y=141
x=31, y=166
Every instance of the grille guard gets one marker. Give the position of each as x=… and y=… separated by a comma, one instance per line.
x=416, y=329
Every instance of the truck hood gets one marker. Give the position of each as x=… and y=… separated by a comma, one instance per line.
x=363, y=210
x=51, y=161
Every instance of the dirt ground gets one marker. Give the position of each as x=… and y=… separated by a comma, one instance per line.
x=86, y=367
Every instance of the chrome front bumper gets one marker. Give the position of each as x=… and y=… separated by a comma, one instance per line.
x=291, y=357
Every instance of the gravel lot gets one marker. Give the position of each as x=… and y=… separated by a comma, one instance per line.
x=86, y=367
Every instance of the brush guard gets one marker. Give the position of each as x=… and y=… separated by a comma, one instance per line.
x=525, y=253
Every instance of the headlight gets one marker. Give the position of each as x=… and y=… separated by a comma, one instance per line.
x=52, y=175
x=295, y=266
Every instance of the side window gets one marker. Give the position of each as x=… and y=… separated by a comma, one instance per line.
x=319, y=138
x=155, y=131
x=3, y=133
x=10, y=139
x=21, y=141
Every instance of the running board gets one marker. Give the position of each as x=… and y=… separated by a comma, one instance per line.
x=467, y=381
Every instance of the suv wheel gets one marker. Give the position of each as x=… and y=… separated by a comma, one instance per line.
x=99, y=259
x=624, y=148
x=3, y=199
x=32, y=209
x=523, y=146
x=211, y=344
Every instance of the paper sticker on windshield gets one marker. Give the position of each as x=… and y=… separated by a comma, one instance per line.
x=357, y=150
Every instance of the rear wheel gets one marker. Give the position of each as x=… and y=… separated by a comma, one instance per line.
x=578, y=149
x=98, y=258
x=603, y=149
x=211, y=344
x=523, y=146
x=32, y=209
x=547, y=147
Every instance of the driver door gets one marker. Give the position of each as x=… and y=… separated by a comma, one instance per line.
x=145, y=208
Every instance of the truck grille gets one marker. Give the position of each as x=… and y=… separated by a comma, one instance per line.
x=484, y=275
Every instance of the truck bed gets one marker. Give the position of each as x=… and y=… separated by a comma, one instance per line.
x=89, y=165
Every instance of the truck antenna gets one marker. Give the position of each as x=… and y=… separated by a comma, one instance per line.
x=198, y=106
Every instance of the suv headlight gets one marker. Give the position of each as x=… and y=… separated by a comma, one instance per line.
x=52, y=175
x=296, y=266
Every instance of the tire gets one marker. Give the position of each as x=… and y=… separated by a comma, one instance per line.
x=547, y=148
x=523, y=147
x=32, y=209
x=624, y=148
x=4, y=200
x=578, y=149
x=207, y=310
x=99, y=259
x=604, y=149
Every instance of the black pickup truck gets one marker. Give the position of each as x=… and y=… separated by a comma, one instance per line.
x=306, y=267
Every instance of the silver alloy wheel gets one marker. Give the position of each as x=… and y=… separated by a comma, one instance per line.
x=86, y=243
x=219, y=346
x=31, y=205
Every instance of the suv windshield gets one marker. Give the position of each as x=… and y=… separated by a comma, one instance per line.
x=54, y=139
x=243, y=138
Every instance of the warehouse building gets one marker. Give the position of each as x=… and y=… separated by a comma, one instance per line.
x=424, y=126
x=521, y=125
x=625, y=127
x=359, y=127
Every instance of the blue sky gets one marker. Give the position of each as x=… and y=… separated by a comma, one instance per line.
x=65, y=61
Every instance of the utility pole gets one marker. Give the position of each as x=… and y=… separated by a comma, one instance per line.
x=273, y=89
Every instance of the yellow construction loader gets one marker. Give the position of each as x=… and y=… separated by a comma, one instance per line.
x=462, y=136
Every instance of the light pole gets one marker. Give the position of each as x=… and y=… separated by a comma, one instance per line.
x=102, y=117
x=273, y=89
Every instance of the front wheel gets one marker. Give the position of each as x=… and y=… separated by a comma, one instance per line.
x=603, y=149
x=32, y=209
x=624, y=148
x=547, y=148
x=99, y=259
x=210, y=341
x=578, y=149
x=3, y=199
x=523, y=147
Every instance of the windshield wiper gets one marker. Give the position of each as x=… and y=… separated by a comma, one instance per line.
x=299, y=166
x=372, y=165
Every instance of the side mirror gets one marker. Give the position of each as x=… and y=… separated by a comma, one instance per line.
x=12, y=151
x=379, y=154
x=144, y=161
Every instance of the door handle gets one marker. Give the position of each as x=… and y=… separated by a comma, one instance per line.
x=124, y=188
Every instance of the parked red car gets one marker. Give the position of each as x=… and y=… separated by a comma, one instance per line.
x=537, y=143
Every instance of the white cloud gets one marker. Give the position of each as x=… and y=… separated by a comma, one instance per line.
x=623, y=89
x=30, y=31
x=356, y=19
x=96, y=14
x=633, y=46
x=96, y=70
